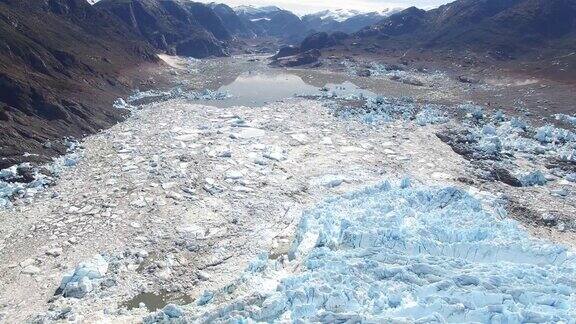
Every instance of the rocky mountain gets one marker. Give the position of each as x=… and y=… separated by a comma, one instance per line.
x=248, y=10
x=348, y=21
x=175, y=27
x=273, y=22
x=235, y=25
x=337, y=15
x=506, y=28
x=308, y=52
x=60, y=66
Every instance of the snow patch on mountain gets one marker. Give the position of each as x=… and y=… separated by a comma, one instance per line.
x=341, y=15
x=253, y=10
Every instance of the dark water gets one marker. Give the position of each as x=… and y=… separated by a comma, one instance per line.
x=156, y=301
x=259, y=89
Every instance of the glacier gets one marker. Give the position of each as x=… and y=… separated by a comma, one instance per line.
x=409, y=253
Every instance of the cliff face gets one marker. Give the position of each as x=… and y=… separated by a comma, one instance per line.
x=273, y=22
x=59, y=59
x=235, y=25
x=176, y=27
x=321, y=22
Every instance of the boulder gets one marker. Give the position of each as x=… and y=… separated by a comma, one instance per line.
x=300, y=59
x=285, y=51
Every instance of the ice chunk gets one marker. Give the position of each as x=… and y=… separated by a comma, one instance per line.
x=551, y=134
x=534, y=178
x=121, y=104
x=473, y=111
x=234, y=175
x=205, y=298
x=300, y=139
x=78, y=289
x=566, y=119
x=275, y=153
x=173, y=311
x=329, y=180
x=489, y=145
x=248, y=132
x=31, y=270
x=80, y=282
x=430, y=115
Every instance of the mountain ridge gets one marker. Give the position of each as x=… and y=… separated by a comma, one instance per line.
x=509, y=26
x=51, y=76
x=175, y=27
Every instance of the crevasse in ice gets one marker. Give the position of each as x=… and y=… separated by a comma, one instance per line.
x=414, y=254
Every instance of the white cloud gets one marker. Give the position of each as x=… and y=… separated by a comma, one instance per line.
x=308, y=6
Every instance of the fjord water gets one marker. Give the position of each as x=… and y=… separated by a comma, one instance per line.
x=256, y=89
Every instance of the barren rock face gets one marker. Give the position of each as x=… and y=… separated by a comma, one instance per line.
x=183, y=28
x=511, y=28
x=303, y=58
x=50, y=73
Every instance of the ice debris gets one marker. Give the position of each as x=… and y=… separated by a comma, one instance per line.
x=395, y=72
x=169, y=314
x=431, y=114
x=379, y=109
x=534, y=178
x=121, y=104
x=499, y=139
x=177, y=93
x=566, y=119
x=412, y=254
x=25, y=180
x=83, y=279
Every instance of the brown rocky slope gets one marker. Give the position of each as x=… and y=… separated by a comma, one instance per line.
x=61, y=64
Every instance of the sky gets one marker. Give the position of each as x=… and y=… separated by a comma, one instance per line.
x=310, y=6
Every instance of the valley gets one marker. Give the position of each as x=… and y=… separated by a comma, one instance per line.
x=181, y=197
x=183, y=162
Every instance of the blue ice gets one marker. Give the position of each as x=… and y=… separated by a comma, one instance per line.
x=417, y=254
